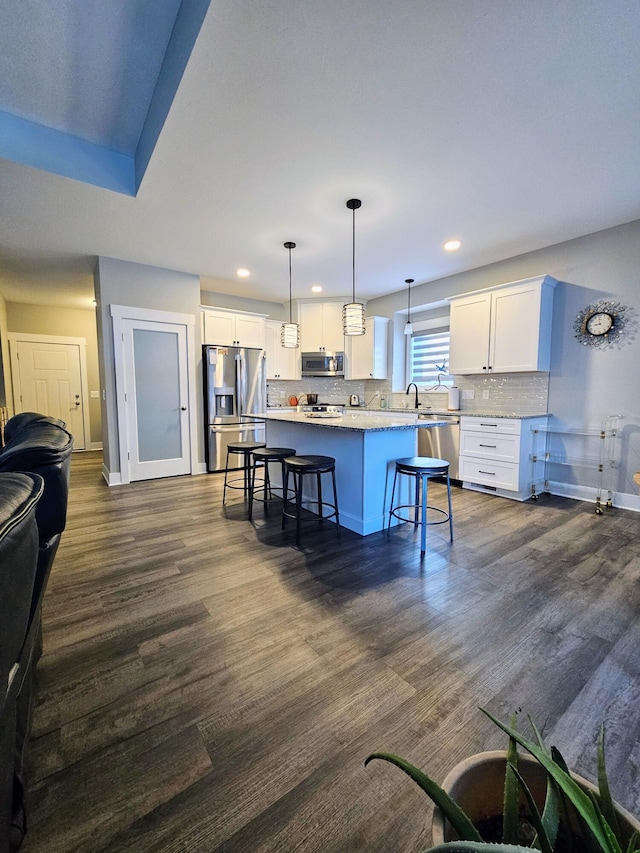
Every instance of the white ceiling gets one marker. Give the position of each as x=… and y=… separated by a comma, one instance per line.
x=511, y=124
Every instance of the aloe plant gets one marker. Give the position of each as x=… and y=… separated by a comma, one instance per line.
x=596, y=816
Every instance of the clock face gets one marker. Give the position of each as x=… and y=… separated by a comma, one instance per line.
x=604, y=324
x=599, y=323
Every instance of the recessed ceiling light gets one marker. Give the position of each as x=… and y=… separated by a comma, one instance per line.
x=242, y=272
x=316, y=288
x=452, y=245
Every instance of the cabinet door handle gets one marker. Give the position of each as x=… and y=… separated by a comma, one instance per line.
x=493, y=473
x=490, y=425
x=494, y=446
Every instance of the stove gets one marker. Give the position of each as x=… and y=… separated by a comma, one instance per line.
x=320, y=408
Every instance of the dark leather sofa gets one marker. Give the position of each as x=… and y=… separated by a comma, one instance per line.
x=40, y=445
x=19, y=494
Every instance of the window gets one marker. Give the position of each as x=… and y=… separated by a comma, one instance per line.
x=428, y=358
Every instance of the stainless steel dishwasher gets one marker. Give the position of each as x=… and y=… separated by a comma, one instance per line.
x=441, y=442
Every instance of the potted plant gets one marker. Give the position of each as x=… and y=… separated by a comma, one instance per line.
x=539, y=803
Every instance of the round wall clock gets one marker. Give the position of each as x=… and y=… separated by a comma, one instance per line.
x=600, y=325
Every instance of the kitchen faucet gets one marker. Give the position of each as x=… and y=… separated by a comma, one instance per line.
x=416, y=404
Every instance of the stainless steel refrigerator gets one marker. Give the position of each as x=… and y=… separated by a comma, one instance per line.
x=235, y=387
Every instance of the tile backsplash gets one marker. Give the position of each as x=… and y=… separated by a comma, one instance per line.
x=506, y=393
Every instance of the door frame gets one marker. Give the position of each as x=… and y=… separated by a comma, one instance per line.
x=15, y=337
x=119, y=313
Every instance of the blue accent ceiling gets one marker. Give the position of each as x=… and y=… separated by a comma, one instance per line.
x=125, y=59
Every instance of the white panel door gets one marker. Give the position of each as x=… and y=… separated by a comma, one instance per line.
x=49, y=381
x=156, y=399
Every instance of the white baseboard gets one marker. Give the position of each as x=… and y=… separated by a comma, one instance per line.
x=621, y=500
x=114, y=479
x=95, y=445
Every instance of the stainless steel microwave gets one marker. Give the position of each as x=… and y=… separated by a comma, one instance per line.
x=323, y=364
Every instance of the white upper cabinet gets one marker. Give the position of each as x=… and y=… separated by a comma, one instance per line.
x=366, y=355
x=282, y=362
x=321, y=326
x=231, y=328
x=505, y=329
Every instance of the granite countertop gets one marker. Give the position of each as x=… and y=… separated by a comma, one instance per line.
x=361, y=420
x=459, y=413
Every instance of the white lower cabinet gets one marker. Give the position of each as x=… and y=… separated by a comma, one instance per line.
x=495, y=455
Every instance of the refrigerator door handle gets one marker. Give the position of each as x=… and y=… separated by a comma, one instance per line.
x=246, y=427
x=240, y=383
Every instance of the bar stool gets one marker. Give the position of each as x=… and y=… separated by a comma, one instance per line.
x=244, y=449
x=263, y=456
x=298, y=466
x=422, y=469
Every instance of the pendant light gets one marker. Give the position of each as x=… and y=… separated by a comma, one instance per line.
x=290, y=332
x=353, y=312
x=408, y=329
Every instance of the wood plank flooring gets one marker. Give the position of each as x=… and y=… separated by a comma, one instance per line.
x=206, y=686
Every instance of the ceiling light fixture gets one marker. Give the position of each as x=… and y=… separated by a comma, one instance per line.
x=353, y=312
x=243, y=273
x=316, y=288
x=452, y=245
x=290, y=332
x=408, y=329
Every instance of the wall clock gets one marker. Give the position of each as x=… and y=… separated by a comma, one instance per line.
x=600, y=325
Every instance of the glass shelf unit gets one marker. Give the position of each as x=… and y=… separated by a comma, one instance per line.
x=586, y=449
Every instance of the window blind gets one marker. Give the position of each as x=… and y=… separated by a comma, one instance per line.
x=429, y=357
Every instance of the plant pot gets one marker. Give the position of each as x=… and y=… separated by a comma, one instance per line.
x=477, y=785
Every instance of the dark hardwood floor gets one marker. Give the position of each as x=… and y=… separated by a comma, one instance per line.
x=208, y=687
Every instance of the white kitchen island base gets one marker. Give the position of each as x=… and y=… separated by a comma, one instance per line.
x=365, y=463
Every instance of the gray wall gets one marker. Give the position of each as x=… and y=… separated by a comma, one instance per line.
x=585, y=384
x=69, y=322
x=139, y=286
x=274, y=310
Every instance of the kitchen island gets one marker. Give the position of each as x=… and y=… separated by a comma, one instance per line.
x=365, y=446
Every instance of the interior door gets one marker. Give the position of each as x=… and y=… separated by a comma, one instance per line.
x=49, y=381
x=156, y=399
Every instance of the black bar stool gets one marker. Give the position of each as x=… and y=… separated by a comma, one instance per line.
x=244, y=449
x=298, y=466
x=422, y=469
x=262, y=456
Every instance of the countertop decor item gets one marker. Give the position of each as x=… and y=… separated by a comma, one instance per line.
x=353, y=312
x=539, y=804
x=602, y=324
x=290, y=332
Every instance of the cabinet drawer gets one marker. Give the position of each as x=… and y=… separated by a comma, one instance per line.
x=503, y=448
x=502, y=475
x=510, y=426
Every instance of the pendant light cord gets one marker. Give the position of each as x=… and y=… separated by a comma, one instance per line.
x=289, y=246
x=353, y=257
x=290, y=312
x=408, y=282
